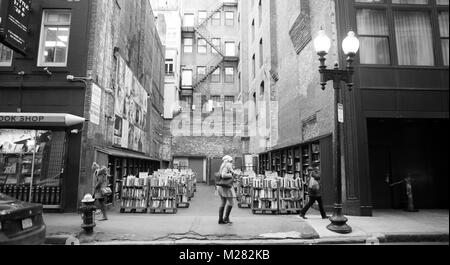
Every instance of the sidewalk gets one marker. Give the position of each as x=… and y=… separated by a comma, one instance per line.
x=198, y=225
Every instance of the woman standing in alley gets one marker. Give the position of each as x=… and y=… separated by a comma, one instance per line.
x=226, y=192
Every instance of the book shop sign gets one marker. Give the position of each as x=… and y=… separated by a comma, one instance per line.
x=14, y=19
x=39, y=120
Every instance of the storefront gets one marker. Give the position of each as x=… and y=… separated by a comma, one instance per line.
x=123, y=163
x=295, y=160
x=33, y=156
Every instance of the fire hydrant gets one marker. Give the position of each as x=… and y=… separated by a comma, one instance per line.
x=87, y=213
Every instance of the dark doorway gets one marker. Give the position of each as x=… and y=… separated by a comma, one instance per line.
x=399, y=148
x=197, y=165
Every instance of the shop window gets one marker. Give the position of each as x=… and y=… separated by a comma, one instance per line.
x=30, y=158
x=54, y=42
x=6, y=55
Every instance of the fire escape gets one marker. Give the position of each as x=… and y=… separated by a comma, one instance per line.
x=200, y=82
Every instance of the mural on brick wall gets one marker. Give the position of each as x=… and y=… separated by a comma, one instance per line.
x=130, y=110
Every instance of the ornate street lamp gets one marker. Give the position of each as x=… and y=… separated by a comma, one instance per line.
x=350, y=46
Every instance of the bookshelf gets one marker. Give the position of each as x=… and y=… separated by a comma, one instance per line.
x=265, y=196
x=134, y=196
x=163, y=195
x=297, y=163
x=244, y=192
x=291, y=195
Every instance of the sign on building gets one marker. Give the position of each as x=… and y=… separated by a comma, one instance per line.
x=14, y=19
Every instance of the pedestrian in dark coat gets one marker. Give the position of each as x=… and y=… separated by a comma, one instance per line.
x=226, y=194
x=315, y=194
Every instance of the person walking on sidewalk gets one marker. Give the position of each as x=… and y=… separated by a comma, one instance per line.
x=315, y=194
x=100, y=186
x=227, y=194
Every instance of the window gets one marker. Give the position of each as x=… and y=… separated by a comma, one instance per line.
x=186, y=78
x=229, y=99
x=216, y=43
x=188, y=43
x=201, y=72
x=216, y=18
x=189, y=20
x=17, y=162
x=229, y=18
x=374, y=36
x=261, y=53
x=260, y=12
x=216, y=100
x=230, y=48
x=414, y=38
x=253, y=67
x=403, y=32
x=54, y=42
x=201, y=16
x=262, y=91
x=253, y=30
x=169, y=66
x=6, y=55
x=201, y=46
x=215, y=76
x=443, y=29
x=229, y=75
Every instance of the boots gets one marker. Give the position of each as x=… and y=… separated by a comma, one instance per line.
x=221, y=221
x=227, y=215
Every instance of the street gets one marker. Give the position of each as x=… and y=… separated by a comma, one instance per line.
x=198, y=225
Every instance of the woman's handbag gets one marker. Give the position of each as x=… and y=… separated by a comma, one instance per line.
x=221, y=182
x=106, y=191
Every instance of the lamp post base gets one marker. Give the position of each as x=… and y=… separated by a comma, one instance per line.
x=339, y=222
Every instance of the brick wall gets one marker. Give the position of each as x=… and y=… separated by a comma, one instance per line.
x=299, y=110
x=130, y=27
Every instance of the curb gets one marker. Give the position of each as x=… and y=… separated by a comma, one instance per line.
x=62, y=240
x=426, y=237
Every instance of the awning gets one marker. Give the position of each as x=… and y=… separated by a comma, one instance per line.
x=125, y=154
x=39, y=120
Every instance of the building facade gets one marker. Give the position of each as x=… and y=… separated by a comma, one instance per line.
x=206, y=129
x=400, y=99
x=99, y=67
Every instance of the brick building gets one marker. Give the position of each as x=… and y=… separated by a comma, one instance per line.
x=115, y=96
x=206, y=129
x=396, y=94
